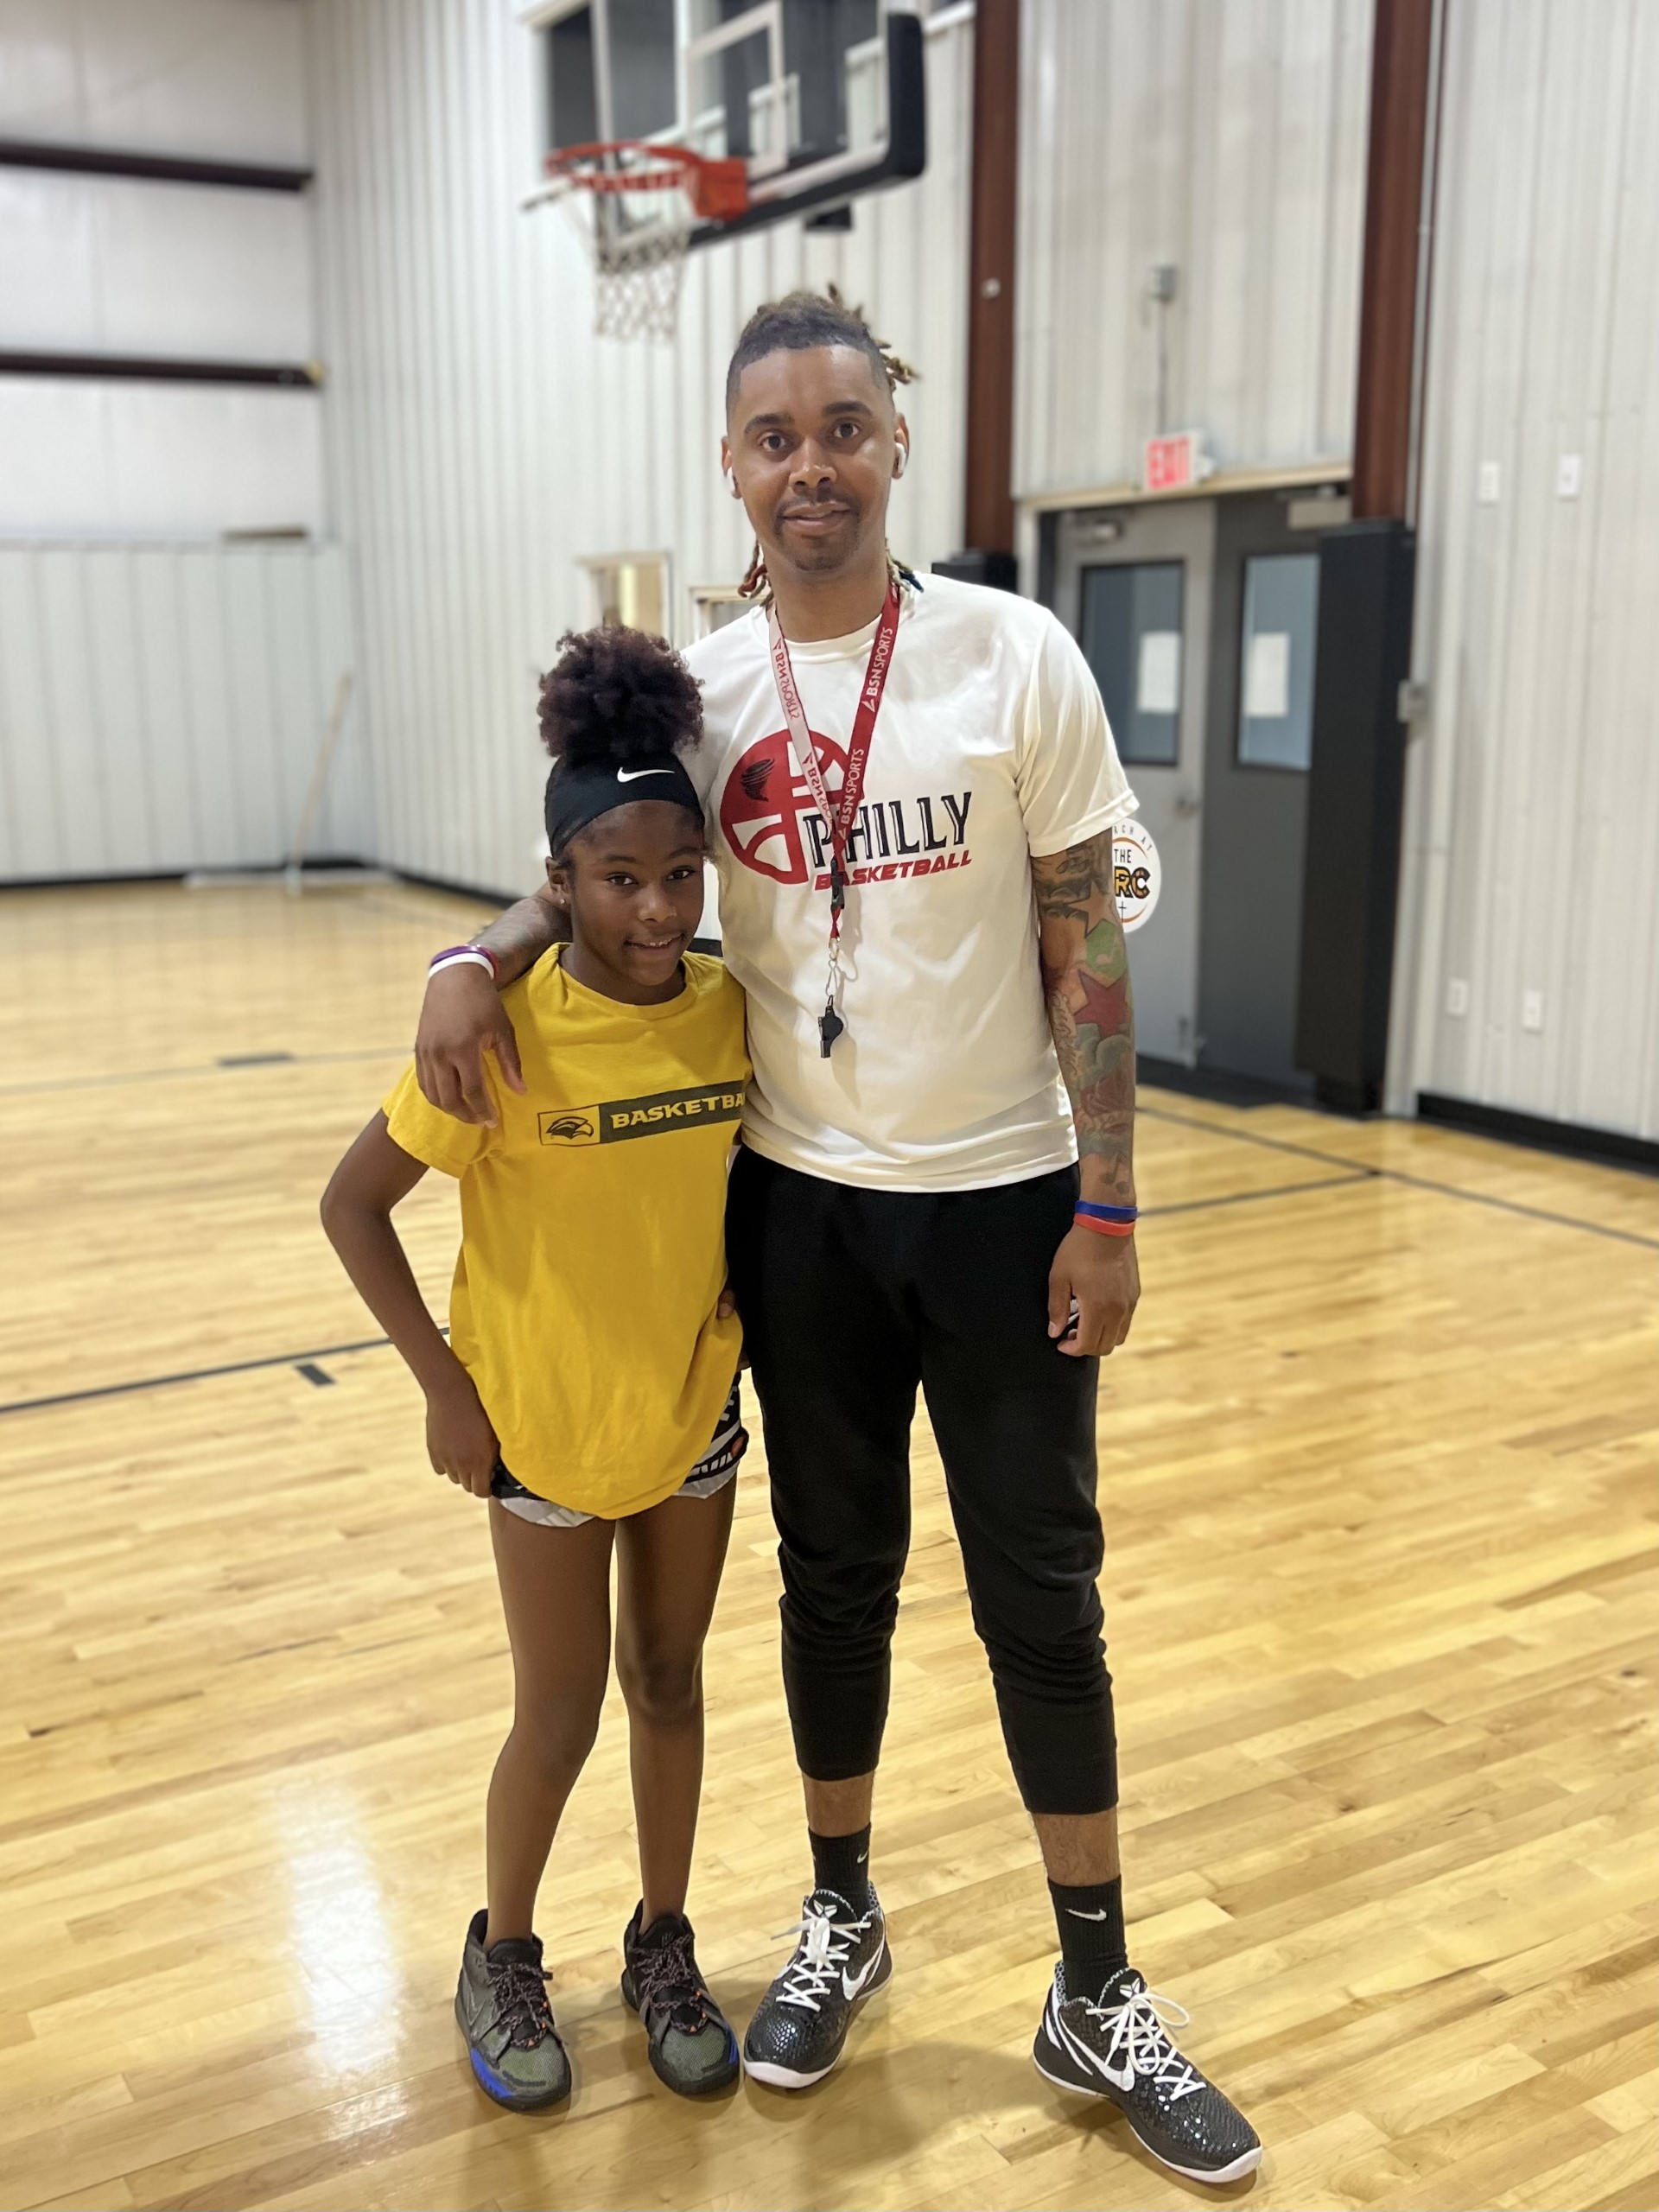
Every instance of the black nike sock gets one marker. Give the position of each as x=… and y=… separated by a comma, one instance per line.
x=841, y=1863
x=1090, y=1922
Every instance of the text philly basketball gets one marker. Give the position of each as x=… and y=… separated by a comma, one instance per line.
x=881, y=833
x=782, y=833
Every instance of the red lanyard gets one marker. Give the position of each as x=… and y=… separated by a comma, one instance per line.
x=841, y=817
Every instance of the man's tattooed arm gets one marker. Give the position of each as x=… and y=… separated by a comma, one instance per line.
x=1086, y=983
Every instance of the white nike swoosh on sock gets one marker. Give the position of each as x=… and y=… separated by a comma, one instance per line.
x=1102, y=1915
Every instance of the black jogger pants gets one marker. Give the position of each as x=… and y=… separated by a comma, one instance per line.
x=850, y=1299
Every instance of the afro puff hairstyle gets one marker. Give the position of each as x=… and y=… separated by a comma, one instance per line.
x=617, y=695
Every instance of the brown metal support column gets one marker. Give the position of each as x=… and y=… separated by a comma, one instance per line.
x=1388, y=292
x=1367, y=568
x=989, y=517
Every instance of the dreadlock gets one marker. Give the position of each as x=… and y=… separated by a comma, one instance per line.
x=797, y=324
x=801, y=320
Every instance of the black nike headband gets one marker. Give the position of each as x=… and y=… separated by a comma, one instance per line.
x=577, y=796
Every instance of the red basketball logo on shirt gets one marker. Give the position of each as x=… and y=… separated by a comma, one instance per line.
x=765, y=800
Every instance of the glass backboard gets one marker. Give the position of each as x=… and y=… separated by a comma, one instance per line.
x=821, y=99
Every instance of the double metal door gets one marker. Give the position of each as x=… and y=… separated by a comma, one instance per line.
x=1133, y=585
x=1199, y=619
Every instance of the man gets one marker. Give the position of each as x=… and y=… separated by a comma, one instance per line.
x=913, y=1204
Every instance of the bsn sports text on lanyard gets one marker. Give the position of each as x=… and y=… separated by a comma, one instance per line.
x=841, y=817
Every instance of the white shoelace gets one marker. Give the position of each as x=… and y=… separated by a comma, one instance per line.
x=1140, y=2034
x=817, y=1965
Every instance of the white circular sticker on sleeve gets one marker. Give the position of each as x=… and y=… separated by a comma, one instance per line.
x=1137, y=874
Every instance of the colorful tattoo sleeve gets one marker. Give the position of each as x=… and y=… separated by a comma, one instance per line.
x=1090, y=1013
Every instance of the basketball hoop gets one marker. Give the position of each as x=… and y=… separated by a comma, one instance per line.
x=635, y=203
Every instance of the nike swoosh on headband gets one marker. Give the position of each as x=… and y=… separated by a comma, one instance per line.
x=632, y=775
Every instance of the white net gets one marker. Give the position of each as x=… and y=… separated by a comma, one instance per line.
x=637, y=242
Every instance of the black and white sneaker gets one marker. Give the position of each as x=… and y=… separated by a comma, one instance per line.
x=801, y=2023
x=1122, y=2048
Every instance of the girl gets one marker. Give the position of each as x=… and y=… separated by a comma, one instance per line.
x=593, y=1354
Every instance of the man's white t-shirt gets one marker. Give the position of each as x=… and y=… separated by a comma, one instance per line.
x=992, y=745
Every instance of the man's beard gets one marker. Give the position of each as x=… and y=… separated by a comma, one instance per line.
x=822, y=556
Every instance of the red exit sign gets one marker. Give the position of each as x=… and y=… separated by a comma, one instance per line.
x=1175, y=462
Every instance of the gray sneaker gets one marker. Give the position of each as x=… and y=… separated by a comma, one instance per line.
x=1122, y=2048
x=501, y=2004
x=692, y=2048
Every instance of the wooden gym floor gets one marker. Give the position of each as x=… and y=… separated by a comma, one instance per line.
x=1381, y=1471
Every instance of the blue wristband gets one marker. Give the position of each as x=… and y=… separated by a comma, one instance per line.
x=1091, y=1212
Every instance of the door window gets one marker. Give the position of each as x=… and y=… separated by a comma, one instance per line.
x=1275, y=689
x=1132, y=640
x=713, y=605
x=630, y=588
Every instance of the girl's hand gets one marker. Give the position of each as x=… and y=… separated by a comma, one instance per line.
x=725, y=1306
x=459, y=1441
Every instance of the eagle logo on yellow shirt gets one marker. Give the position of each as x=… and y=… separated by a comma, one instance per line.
x=572, y=1129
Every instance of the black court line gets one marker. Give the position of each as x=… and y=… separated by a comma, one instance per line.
x=1281, y=1191
x=236, y=1064
x=1529, y=1213
x=306, y=1362
x=300, y=1359
x=1355, y=1172
x=1242, y=1136
x=1400, y=1175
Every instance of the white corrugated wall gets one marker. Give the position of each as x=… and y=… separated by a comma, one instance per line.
x=160, y=701
x=482, y=442
x=162, y=708
x=104, y=265
x=1227, y=138
x=1532, y=810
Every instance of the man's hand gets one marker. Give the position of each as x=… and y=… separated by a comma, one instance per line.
x=1104, y=1275
x=459, y=1441
x=462, y=1019
x=1085, y=971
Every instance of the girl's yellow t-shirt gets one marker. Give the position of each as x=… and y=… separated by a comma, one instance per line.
x=592, y=1234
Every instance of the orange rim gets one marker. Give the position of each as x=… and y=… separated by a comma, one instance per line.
x=717, y=187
